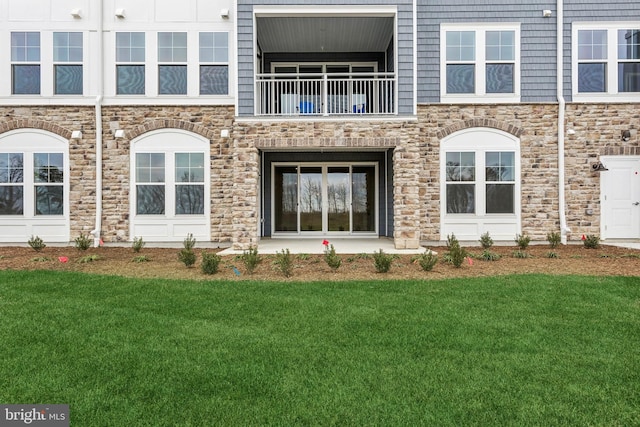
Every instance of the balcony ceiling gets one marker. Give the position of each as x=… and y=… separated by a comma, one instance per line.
x=324, y=34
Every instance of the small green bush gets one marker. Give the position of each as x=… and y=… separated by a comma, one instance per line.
x=554, y=239
x=88, y=258
x=591, y=241
x=83, y=242
x=284, y=262
x=552, y=254
x=140, y=258
x=520, y=254
x=522, y=240
x=186, y=255
x=427, y=260
x=251, y=259
x=210, y=263
x=487, y=255
x=382, y=261
x=40, y=259
x=36, y=243
x=332, y=259
x=456, y=253
x=486, y=241
x=138, y=244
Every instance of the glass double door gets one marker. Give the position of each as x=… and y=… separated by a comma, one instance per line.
x=324, y=199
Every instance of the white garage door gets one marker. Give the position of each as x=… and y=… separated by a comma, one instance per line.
x=620, y=196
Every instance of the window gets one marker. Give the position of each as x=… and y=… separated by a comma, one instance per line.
x=480, y=184
x=48, y=176
x=172, y=67
x=214, y=63
x=170, y=186
x=480, y=62
x=130, y=59
x=606, y=62
x=25, y=63
x=67, y=58
x=11, y=183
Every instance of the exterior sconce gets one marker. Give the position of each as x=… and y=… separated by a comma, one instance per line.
x=120, y=13
x=118, y=133
x=76, y=13
x=76, y=134
x=598, y=167
x=626, y=135
x=224, y=133
x=224, y=13
x=547, y=13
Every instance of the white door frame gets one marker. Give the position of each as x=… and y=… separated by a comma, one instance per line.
x=610, y=163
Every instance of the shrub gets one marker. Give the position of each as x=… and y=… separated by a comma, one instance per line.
x=552, y=254
x=456, y=253
x=591, y=241
x=382, y=261
x=332, y=259
x=554, y=239
x=138, y=244
x=210, y=263
x=427, y=260
x=486, y=241
x=251, y=259
x=88, y=258
x=487, y=255
x=36, y=243
x=520, y=254
x=284, y=262
x=140, y=258
x=83, y=242
x=186, y=255
x=522, y=240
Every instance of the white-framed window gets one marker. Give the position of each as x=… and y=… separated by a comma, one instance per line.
x=480, y=62
x=67, y=63
x=25, y=63
x=214, y=63
x=172, y=63
x=130, y=63
x=170, y=186
x=606, y=61
x=34, y=186
x=480, y=191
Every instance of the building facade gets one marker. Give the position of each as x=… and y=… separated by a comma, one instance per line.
x=242, y=120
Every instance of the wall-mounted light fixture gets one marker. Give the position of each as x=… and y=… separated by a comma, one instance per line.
x=224, y=13
x=120, y=13
x=626, y=135
x=598, y=167
x=547, y=13
x=76, y=134
x=76, y=13
x=224, y=133
x=118, y=133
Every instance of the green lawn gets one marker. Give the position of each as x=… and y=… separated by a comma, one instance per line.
x=517, y=350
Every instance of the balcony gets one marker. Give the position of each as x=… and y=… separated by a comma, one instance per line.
x=328, y=94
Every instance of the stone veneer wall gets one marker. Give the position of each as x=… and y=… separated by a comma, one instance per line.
x=598, y=132
x=62, y=120
x=207, y=121
x=534, y=124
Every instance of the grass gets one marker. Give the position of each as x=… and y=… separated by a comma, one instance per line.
x=513, y=350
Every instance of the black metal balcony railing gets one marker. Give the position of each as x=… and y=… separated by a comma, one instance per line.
x=325, y=94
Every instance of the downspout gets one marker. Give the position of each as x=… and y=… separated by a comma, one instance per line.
x=564, y=229
x=97, y=231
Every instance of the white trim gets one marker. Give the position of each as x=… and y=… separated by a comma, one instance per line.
x=169, y=226
x=316, y=11
x=612, y=94
x=50, y=228
x=480, y=95
x=469, y=227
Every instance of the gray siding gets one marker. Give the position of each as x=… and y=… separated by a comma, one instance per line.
x=538, y=48
x=403, y=44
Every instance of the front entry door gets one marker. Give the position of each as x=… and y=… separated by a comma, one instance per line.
x=621, y=198
x=324, y=199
